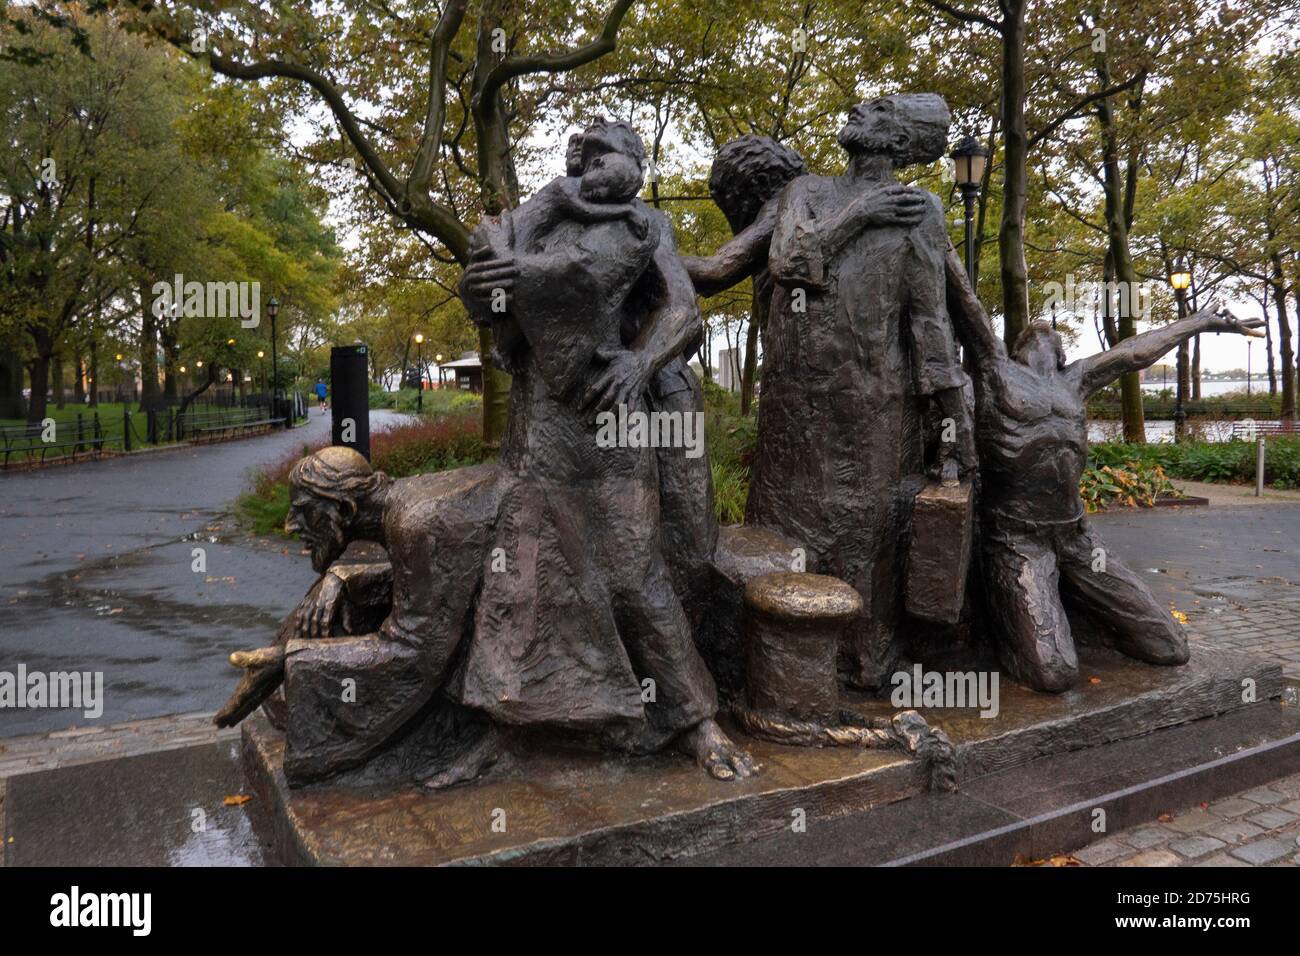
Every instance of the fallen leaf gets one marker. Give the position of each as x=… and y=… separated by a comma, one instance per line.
x=1164, y=818
x=1094, y=680
x=237, y=801
x=116, y=610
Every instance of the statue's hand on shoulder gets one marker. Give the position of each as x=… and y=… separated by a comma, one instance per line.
x=485, y=274
x=317, y=613
x=895, y=205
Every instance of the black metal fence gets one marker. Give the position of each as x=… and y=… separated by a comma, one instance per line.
x=90, y=434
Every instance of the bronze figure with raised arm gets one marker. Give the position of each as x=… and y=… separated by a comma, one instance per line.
x=1038, y=549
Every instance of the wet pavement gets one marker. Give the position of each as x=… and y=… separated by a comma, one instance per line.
x=178, y=808
x=1232, y=568
x=97, y=574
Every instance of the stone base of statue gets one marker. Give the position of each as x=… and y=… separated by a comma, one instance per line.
x=543, y=804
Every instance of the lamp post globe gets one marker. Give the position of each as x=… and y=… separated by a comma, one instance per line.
x=969, y=160
x=1180, y=278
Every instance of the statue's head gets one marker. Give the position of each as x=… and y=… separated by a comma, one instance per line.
x=327, y=490
x=749, y=171
x=573, y=156
x=907, y=127
x=1040, y=348
x=613, y=157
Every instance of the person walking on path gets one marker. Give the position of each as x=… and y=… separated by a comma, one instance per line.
x=321, y=391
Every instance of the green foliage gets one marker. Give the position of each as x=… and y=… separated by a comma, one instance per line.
x=263, y=510
x=1131, y=484
x=1209, y=461
x=731, y=439
x=415, y=447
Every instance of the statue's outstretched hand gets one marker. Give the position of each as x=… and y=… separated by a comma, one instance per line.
x=893, y=206
x=1226, y=321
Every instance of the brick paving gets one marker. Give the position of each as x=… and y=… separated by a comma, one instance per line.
x=1257, y=617
x=1258, y=827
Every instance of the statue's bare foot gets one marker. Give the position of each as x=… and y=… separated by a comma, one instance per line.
x=468, y=765
x=715, y=752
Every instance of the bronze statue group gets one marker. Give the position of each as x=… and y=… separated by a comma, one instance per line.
x=559, y=593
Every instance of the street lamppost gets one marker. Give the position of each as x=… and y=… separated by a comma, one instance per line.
x=261, y=367
x=1181, y=280
x=969, y=158
x=419, y=358
x=273, y=309
x=438, y=358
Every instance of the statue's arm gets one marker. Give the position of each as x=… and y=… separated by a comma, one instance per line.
x=802, y=244
x=670, y=328
x=366, y=584
x=796, y=256
x=937, y=371
x=969, y=318
x=673, y=326
x=1141, y=351
x=739, y=258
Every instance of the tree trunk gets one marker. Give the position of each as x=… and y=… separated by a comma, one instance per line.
x=1286, y=356
x=150, y=398
x=1121, y=258
x=1015, y=187
x=1268, y=345
x=92, y=380
x=56, y=375
x=78, y=381
x=751, y=358
x=208, y=383
x=1196, y=369
x=499, y=189
x=11, y=384
x=167, y=335
x=39, y=371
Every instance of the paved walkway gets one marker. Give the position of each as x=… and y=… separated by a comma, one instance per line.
x=1233, y=567
x=1257, y=827
x=97, y=574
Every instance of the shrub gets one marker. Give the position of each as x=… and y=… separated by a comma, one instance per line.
x=414, y=447
x=1131, y=485
x=1209, y=461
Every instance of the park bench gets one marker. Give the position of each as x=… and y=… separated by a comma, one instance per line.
x=1250, y=431
x=26, y=440
x=217, y=427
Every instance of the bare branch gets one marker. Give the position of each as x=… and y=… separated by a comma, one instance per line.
x=966, y=16
x=1083, y=103
x=435, y=114
x=563, y=62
